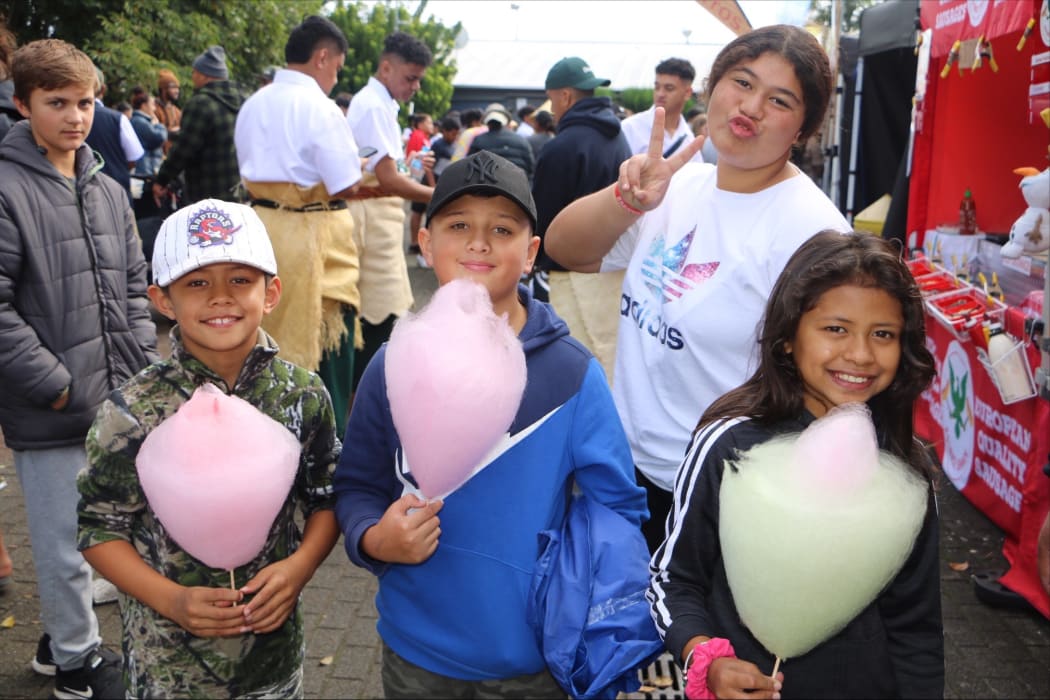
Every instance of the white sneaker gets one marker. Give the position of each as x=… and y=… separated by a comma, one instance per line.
x=421, y=261
x=103, y=592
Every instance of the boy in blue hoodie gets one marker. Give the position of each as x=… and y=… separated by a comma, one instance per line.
x=453, y=589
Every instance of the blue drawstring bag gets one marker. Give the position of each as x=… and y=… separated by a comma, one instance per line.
x=587, y=602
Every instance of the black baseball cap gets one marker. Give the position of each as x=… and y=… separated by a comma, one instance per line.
x=483, y=172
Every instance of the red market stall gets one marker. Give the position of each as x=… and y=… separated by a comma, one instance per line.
x=977, y=120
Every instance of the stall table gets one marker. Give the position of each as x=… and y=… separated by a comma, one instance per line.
x=993, y=452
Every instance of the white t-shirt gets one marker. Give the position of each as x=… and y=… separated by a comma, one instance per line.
x=373, y=118
x=638, y=127
x=700, y=268
x=289, y=131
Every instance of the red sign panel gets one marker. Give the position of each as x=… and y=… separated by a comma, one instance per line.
x=992, y=452
x=953, y=20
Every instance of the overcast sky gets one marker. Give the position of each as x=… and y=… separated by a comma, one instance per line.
x=620, y=21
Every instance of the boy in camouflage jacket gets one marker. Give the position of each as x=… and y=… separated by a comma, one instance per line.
x=186, y=631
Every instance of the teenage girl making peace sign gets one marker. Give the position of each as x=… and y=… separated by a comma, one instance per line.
x=702, y=245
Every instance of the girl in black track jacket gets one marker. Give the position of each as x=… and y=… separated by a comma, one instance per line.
x=844, y=323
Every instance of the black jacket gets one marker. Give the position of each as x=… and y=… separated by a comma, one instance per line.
x=505, y=143
x=582, y=158
x=893, y=649
x=73, y=306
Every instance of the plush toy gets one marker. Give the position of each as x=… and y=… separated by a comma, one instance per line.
x=1031, y=232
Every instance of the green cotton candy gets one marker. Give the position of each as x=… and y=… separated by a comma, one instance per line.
x=803, y=555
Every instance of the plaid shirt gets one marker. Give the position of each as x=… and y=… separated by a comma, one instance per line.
x=204, y=148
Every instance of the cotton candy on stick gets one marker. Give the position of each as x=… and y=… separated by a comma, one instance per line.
x=455, y=375
x=813, y=526
x=216, y=474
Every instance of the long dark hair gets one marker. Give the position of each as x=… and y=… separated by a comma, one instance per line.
x=828, y=260
x=796, y=46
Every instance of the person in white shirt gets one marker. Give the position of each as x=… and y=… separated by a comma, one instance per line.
x=378, y=208
x=526, y=123
x=703, y=248
x=113, y=136
x=299, y=162
x=671, y=90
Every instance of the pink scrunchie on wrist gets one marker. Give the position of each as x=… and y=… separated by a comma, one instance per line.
x=702, y=656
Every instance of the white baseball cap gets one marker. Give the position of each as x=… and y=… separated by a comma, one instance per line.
x=210, y=231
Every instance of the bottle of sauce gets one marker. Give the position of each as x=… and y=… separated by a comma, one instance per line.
x=1011, y=375
x=967, y=215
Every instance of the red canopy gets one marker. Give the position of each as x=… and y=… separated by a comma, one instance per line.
x=953, y=20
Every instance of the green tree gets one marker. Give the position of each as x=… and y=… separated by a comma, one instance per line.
x=131, y=40
x=635, y=99
x=43, y=19
x=366, y=28
x=820, y=11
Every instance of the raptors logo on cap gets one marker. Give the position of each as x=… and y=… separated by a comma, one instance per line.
x=211, y=226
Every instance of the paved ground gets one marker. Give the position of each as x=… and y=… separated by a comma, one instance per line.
x=990, y=652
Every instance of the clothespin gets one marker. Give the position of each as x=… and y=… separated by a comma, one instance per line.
x=984, y=52
x=936, y=256
x=984, y=283
x=953, y=56
x=1024, y=35
x=962, y=272
x=996, y=290
x=918, y=41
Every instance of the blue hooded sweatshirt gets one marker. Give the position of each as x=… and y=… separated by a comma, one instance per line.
x=462, y=612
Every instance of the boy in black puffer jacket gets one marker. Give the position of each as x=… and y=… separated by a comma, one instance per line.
x=75, y=325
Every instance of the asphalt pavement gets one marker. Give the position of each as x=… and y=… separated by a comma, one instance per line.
x=990, y=652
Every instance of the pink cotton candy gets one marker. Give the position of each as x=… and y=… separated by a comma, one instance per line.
x=216, y=474
x=838, y=454
x=455, y=374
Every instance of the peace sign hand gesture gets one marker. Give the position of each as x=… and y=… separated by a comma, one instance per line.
x=644, y=177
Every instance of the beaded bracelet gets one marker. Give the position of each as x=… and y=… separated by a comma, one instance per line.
x=623, y=202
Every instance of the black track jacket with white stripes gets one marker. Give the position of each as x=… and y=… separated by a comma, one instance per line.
x=893, y=648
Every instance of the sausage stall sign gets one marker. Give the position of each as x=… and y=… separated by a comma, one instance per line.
x=960, y=20
x=992, y=452
x=987, y=78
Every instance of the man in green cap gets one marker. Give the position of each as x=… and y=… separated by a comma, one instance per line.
x=582, y=158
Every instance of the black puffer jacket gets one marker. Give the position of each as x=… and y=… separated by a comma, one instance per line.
x=73, y=306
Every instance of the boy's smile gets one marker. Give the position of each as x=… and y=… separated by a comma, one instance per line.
x=848, y=347
x=486, y=239
x=218, y=308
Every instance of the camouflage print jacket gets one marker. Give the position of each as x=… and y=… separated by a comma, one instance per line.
x=161, y=659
